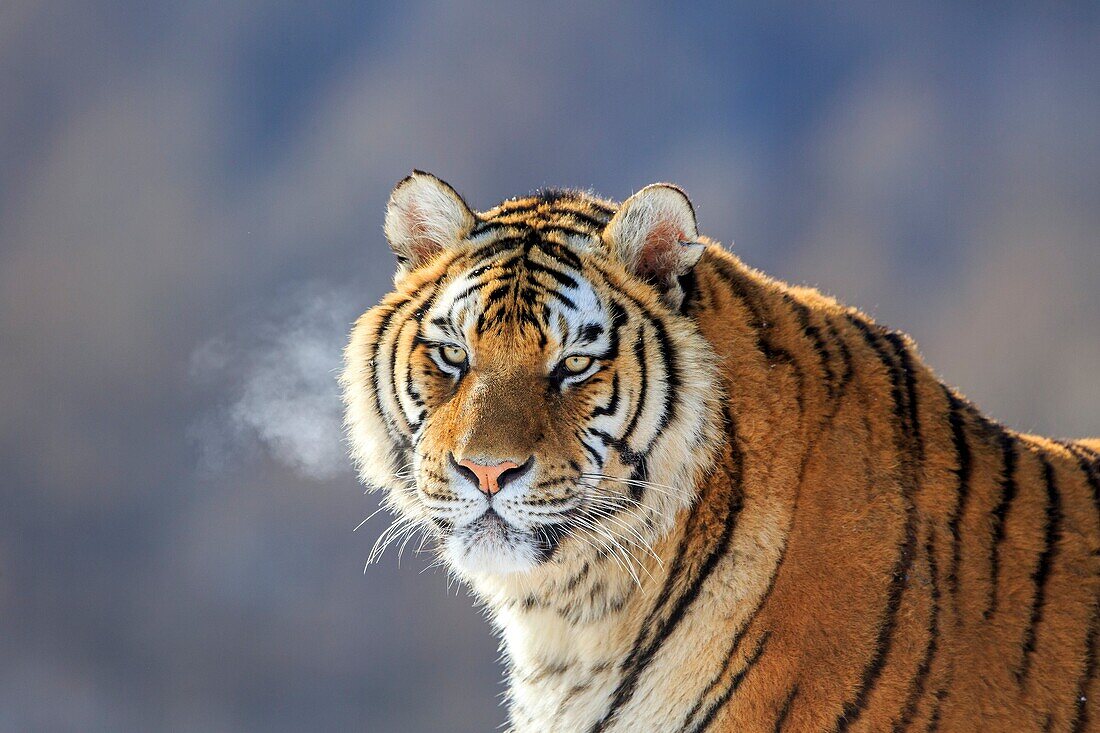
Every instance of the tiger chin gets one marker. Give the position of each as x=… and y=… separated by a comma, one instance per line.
x=693, y=498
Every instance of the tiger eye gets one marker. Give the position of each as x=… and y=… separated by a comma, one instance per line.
x=577, y=364
x=453, y=355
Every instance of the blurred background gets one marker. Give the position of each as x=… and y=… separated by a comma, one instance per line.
x=191, y=199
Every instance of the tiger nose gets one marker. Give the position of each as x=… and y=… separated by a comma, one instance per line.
x=490, y=478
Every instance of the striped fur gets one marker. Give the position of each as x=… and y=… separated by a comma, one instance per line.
x=761, y=512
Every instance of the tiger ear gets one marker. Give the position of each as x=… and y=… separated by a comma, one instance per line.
x=424, y=216
x=654, y=236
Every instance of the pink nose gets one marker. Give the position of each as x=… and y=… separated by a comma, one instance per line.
x=488, y=477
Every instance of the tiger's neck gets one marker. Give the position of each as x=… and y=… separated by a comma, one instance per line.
x=567, y=637
x=578, y=643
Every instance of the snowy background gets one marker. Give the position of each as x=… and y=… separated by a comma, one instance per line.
x=191, y=199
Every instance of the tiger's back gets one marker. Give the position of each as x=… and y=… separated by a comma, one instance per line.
x=939, y=571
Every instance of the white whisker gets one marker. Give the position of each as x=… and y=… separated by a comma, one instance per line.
x=369, y=517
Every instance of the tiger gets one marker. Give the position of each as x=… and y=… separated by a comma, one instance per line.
x=691, y=497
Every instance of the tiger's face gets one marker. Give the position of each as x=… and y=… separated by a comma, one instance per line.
x=519, y=398
x=530, y=391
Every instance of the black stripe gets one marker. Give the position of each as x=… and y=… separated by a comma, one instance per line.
x=663, y=599
x=497, y=294
x=583, y=217
x=394, y=384
x=846, y=357
x=1041, y=576
x=575, y=231
x=410, y=386
x=937, y=708
x=476, y=288
x=1090, y=467
x=561, y=253
x=668, y=359
x=853, y=709
x=550, y=537
x=689, y=286
x=508, y=264
x=607, y=440
x=898, y=397
x=520, y=206
x=562, y=279
x=578, y=577
x=671, y=374
x=529, y=297
x=905, y=358
x=921, y=679
x=590, y=332
x=490, y=249
x=431, y=290
x=526, y=317
x=735, y=644
x=1081, y=449
x=605, y=209
x=565, y=300
x=639, y=356
x=379, y=340
x=962, y=472
x=813, y=334
x=638, y=477
x=560, y=198
x=486, y=226
x=392, y=421
x=735, y=682
x=741, y=633
x=1000, y=512
x=785, y=709
x=612, y=403
x=645, y=649
x=628, y=456
x=761, y=326
x=618, y=321
x=596, y=457
x=760, y=323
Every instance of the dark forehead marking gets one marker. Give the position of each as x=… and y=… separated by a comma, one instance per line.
x=570, y=196
x=551, y=207
x=591, y=332
x=516, y=244
x=528, y=238
x=552, y=193
x=534, y=270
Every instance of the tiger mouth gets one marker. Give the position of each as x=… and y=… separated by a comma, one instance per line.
x=491, y=530
x=492, y=524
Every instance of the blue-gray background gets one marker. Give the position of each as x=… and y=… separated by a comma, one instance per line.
x=191, y=197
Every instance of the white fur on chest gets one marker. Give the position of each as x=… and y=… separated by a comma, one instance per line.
x=563, y=674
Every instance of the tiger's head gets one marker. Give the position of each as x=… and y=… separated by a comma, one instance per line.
x=532, y=391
